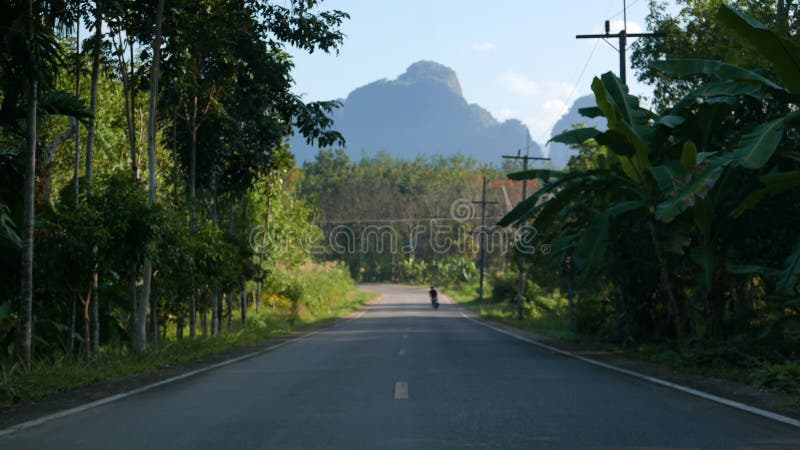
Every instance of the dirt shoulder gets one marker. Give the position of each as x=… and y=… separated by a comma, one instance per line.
x=780, y=403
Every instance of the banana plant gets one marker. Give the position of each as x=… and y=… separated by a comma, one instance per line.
x=754, y=147
x=626, y=185
x=686, y=175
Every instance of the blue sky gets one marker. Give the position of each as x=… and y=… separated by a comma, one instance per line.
x=517, y=58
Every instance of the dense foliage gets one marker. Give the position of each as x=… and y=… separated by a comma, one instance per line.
x=681, y=224
x=120, y=260
x=413, y=221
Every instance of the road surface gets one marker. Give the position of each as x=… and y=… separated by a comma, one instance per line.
x=405, y=376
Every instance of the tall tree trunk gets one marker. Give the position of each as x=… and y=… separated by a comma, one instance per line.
x=243, y=305
x=204, y=322
x=132, y=298
x=193, y=315
x=154, y=314
x=76, y=172
x=71, y=333
x=77, y=167
x=229, y=310
x=141, y=312
x=92, y=131
x=243, y=302
x=258, y=295
x=94, y=328
x=87, y=329
x=220, y=315
x=193, y=193
x=26, y=298
x=215, y=313
x=132, y=94
x=155, y=73
x=179, y=331
x=128, y=97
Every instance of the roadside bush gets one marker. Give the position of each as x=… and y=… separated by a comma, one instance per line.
x=784, y=377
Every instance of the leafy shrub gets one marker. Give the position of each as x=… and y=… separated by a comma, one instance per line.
x=783, y=377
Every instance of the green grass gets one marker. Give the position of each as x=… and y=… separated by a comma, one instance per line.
x=548, y=324
x=63, y=373
x=723, y=360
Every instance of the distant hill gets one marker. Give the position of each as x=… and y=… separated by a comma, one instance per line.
x=561, y=153
x=423, y=112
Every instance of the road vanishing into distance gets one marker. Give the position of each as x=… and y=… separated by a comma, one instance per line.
x=401, y=375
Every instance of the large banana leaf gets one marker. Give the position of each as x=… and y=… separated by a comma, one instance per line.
x=716, y=89
x=782, y=52
x=62, y=104
x=616, y=141
x=571, y=197
x=561, y=202
x=685, y=197
x=563, y=244
x=575, y=137
x=774, y=184
x=591, y=112
x=526, y=208
x=668, y=176
x=533, y=174
x=570, y=185
x=624, y=114
x=716, y=69
x=629, y=169
x=622, y=208
x=752, y=270
x=756, y=147
x=594, y=238
x=594, y=241
x=7, y=228
x=671, y=121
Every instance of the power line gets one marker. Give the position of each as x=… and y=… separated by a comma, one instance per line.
x=623, y=44
x=401, y=220
x=622, y=11
x=575, y=85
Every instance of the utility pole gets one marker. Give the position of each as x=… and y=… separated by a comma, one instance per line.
x=525, y=159
x=483, y=204
x=623, y=41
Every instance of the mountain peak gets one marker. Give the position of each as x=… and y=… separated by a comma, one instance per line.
x=433, y=71
x=423, y=112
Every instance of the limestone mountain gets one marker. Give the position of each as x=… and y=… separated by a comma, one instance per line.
x=422, y=112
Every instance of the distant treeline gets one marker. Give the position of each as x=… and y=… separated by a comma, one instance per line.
x=408, y=220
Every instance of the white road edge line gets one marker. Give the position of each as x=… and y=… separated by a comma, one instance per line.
x=113, y=398
x=659, y=381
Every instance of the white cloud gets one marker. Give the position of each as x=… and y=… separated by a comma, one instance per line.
x=484, y=47
x=504, y=114
x=519, y=84
x=538, y=105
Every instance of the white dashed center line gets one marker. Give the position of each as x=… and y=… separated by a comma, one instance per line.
x=401, y=390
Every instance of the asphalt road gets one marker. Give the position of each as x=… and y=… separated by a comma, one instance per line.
x=405, y=376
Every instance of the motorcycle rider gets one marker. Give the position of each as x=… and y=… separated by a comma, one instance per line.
x=434, y=295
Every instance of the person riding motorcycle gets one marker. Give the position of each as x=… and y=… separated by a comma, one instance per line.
x=434, y=297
